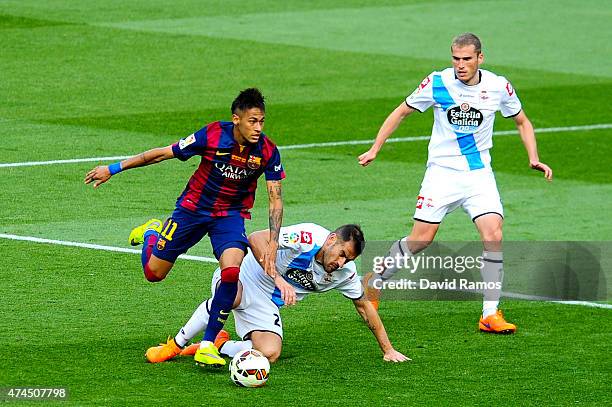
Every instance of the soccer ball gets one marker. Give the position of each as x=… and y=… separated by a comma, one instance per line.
x=249, y=368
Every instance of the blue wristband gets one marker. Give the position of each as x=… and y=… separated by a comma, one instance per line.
x=115, y=168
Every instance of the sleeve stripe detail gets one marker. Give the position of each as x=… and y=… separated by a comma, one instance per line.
x=513, y=115
x=412, y=107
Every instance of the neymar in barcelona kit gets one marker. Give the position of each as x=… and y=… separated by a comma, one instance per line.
x=216, y=200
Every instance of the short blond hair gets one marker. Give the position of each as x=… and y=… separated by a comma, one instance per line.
x=465, y=39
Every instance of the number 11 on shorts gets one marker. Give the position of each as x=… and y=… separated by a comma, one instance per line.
x=169, y=229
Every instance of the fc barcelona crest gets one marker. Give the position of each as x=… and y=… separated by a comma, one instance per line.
x=254, y=162
x=161, y=244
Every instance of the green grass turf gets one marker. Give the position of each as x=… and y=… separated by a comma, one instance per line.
x=114, y=78
x=86, y=326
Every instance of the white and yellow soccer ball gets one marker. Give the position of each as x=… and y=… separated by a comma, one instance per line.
x=249, y=368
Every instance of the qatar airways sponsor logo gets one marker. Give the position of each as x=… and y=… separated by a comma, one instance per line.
x=232, y=172
x=464, y=117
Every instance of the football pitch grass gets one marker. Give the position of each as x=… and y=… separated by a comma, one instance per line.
x=114, y=78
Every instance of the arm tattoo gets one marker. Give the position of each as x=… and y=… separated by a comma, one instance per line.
x=275, y=191
x=276, y=218
x=370, y=325
x=363, y=314
x=276, y=214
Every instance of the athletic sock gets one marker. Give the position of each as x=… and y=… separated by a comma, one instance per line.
x=492, y=272
x=489, y=308
x=222, y=302
x=150, y=240
x=231, y=348
x=196, y=324
x=399, y=249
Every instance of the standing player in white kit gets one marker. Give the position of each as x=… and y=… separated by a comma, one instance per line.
x=465, y=99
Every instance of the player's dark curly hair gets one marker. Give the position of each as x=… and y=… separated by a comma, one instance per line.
x=248, y=99
x=352, y=233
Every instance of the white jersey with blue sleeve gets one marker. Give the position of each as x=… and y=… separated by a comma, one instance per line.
x=295, y=261
x=463, y=116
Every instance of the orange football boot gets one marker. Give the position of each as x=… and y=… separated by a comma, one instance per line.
x=163, y=352
x=496, y=324
x=190, y=350
x=222, y=337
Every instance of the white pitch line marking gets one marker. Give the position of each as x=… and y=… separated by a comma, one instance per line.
x=586, y=304
x=314, y=145
x=71, y=161
x=212, y=260
x=529, y=297
x=96, y=246
x=557, y=301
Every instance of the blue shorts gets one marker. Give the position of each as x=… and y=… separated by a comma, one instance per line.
x=186, y=228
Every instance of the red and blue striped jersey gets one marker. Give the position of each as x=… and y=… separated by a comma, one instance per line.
x=226, y=178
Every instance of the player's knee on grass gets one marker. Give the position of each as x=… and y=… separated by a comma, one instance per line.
x=268, y=343
x=271, y=354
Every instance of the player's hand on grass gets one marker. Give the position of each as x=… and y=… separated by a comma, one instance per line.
x=395, y=356
x=366, y=158
x=540, y=166
x=286, y=289
x=98, y=175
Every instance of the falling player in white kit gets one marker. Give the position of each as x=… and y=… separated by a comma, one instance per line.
x=465, y=99
x=310, y=259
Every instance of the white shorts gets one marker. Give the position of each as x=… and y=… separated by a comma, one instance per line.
x=256, y=311
x=443, y=190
